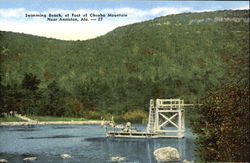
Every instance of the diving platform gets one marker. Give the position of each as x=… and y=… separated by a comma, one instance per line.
x=165, y=120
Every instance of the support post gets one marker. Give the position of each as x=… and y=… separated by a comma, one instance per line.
x=179, y=123
x=156, y=119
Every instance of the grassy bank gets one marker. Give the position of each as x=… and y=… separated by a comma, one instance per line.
x=138, y=117
x=51, y=118
x=10, y=119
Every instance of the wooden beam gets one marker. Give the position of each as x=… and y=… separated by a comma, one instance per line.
x=169, y=120
x=166, y=122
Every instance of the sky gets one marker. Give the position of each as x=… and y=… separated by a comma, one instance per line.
x=13, y=15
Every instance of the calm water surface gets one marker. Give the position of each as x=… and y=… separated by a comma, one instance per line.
x=85, y=144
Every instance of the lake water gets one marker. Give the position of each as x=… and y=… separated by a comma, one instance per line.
x=85, y=144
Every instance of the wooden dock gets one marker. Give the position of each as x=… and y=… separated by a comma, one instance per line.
x=121, y=134
x=163, y=115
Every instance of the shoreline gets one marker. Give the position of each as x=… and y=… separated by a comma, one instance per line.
x=91, y=122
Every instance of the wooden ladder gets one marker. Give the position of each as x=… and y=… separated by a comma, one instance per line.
x=151, y=117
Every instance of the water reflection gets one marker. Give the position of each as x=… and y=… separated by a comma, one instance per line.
x=141, y=150
x=53, y=137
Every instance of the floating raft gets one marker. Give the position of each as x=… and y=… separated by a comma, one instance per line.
x=130, y=134
x=121, y=134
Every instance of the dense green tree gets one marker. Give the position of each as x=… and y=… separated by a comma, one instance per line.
x=31, y=96
x=53, y=100
x=2, y=94
x=30, y=82
x=12, y=98
x=223, y=125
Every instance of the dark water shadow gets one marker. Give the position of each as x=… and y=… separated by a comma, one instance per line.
x=53, y=137
x=64, y=127
x=24, y=129
x=7, y=156
x=25, y=155
x=96, y=139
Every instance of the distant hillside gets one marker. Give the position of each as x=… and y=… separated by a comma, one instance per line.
x=173, y=56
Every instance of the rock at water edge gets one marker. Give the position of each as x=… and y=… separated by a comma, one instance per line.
x=166, y=154
x=29, y=158
x=185, y=161
x=64, y=156
x=117, y=158
x=3, y=161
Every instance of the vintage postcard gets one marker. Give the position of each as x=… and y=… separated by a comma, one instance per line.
x=124, y=81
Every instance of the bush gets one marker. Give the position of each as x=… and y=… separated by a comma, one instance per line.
x=119, y=119
x=135, y=116
x=92, y=115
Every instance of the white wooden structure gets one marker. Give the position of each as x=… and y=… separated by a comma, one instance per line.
x=166, y=118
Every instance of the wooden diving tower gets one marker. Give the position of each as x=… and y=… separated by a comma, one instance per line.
x=165, y=120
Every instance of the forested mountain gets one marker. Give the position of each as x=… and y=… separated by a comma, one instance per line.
x=175, y=56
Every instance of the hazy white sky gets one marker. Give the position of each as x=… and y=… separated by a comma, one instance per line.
x=12, y=15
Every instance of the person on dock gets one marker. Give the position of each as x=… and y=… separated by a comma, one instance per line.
x=127, y=127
